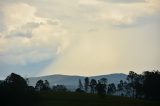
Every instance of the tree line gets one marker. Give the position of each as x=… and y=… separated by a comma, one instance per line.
x=16, y=90
x=93, y=86
x=45, y=86
x=140, y=86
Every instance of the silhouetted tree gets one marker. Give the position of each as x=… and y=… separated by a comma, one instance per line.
x=120, y=86
x=131, y=81
x=86, y=84
x=111, y=88
x=101, y=88
x=15, y=83
x=127, y=89
x=103, y=80
x=152, y=85
x=40, y=85
x=80, y=85
x=135, y=82
x=15, y=91
x=93, y=84
x=59, y=88
x=138, y=86
x=46, y=85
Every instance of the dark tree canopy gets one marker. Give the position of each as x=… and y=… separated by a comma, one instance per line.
x=151, y=85
x=146, y=85
x=101, y=88
x=14, y=91
x=59, y=88
x=15, y=83
x=103, y=80
x=120, y=85
x=111, y=88
x=93, y=85
x=39, y=85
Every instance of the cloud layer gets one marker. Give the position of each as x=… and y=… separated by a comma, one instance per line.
x=85, y=37
x=119, y=12
x=27, y=38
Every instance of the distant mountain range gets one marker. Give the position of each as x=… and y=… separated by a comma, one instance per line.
x=71, y=82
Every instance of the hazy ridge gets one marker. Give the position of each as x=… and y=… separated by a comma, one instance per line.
x=71, y=82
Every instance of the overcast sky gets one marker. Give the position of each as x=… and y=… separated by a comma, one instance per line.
x=79, y=37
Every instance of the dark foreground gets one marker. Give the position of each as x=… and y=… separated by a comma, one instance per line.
x=76, y=99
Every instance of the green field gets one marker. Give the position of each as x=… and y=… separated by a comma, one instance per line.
x=76, y=99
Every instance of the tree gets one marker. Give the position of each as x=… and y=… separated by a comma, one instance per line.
x=103, y=80
x=86, y=84
x=120, y=86
x=46, y=85
x=15, y=83
x=135, y=81
x=93, y=84
x=131, y=81
x=127, y=89
x=138, y=86
x=15, y=91
x=39, y=85
x=111, y=88
x=151, y=85
x=59, y=88
x=80, y=85
x=101, y=88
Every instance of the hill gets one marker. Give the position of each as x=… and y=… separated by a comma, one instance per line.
x=71, y=82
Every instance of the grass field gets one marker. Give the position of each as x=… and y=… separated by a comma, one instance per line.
x=76, y=99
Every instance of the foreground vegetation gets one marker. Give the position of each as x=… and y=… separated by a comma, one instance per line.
x=83, y=99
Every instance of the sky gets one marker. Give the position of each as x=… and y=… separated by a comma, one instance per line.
x=79, y=37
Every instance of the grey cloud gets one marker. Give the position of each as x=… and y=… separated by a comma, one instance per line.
x=24, y=31
x=31, y=25
x=26, y=34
